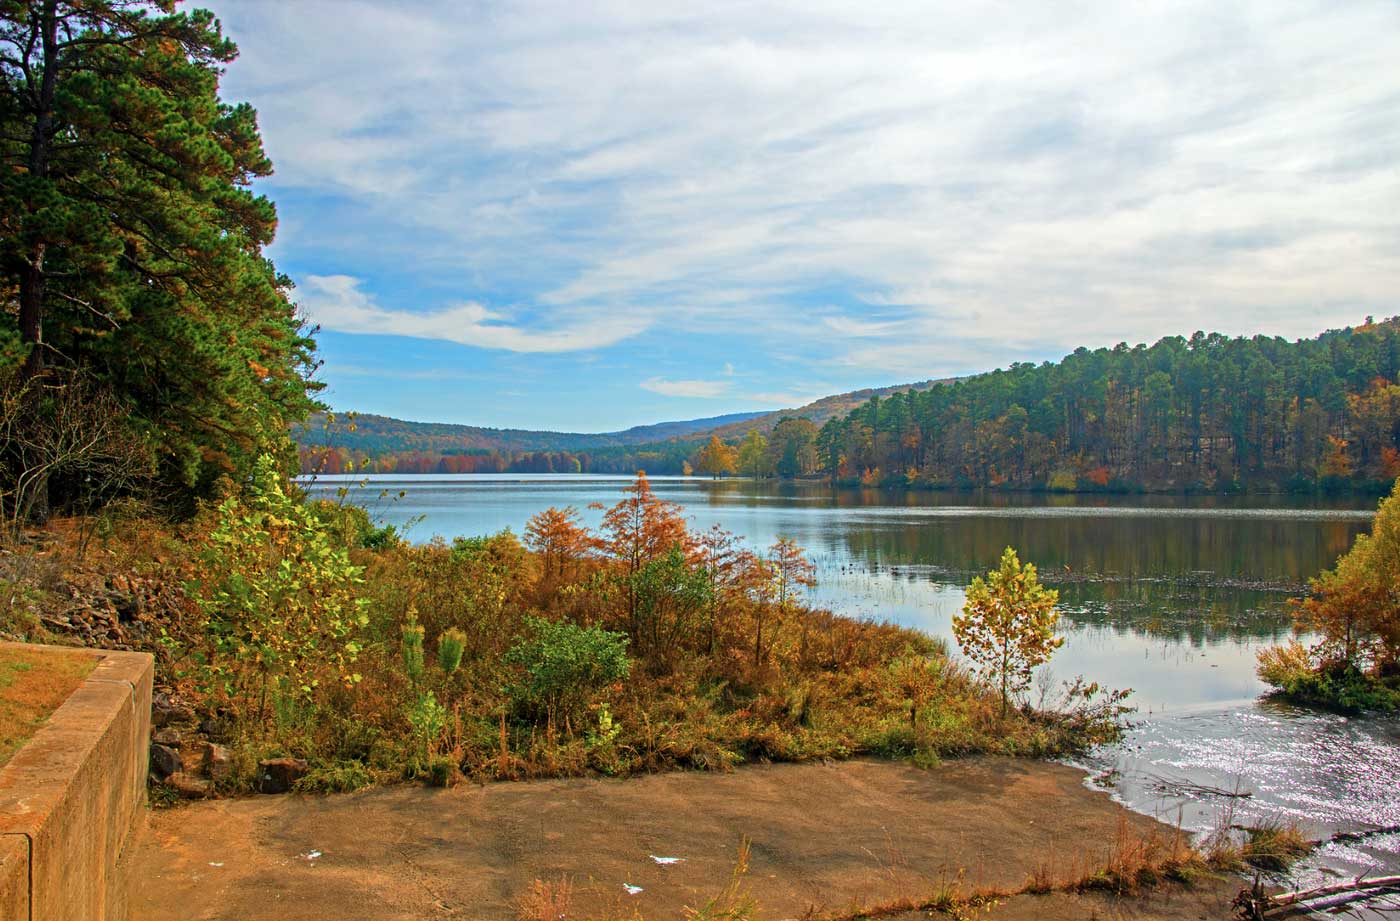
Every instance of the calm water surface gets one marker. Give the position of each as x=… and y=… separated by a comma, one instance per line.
x=1169, y=596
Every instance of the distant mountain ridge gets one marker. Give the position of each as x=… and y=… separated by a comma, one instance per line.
x=375, y=434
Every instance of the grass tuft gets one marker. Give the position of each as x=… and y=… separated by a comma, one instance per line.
x=547, y=900
x=1274, y=845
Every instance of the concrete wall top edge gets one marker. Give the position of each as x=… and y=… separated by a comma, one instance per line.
x=39, y=774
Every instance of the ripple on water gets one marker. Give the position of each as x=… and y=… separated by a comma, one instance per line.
x=1330, y=773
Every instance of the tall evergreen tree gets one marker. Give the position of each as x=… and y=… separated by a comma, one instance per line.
x=131, y=241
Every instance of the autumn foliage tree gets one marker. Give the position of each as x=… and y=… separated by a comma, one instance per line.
x=1355, y=606
x=1007, y=626
x=716, y=458
x=641, y=528
x=560, y=539
x=792, y=573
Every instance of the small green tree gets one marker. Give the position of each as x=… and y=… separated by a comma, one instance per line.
x=672, y=598
x=279, y=600
x=1007, y=626
x=564, y=663
x=753, y=454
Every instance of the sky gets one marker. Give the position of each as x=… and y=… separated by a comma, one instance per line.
x=587, y=216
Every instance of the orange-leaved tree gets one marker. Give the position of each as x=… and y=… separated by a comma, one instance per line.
x=717, y=458
x=561, y=540
x=792, y=573
x=640, y=528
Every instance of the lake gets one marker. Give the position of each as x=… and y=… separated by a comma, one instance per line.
x=1170, y=596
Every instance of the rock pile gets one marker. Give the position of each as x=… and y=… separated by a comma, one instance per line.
x=188, y=760
x=110, y=611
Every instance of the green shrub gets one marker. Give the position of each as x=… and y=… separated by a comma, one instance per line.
x=1298, y=677
x=381, y=538
x=341, y=777
x=279, y=602
x=347, y=522
x=442, y=771
x=565, y=663
x=1281, y=666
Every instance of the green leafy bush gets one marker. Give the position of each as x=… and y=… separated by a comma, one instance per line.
x=564, y=663
x=1339, y=688
x=381, y=538
x=279, y=605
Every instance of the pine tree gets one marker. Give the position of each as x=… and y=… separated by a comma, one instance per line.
x=131, y=243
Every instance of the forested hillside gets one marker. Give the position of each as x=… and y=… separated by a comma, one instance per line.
x=371, y=443
x=818, y=411
x=1209, y=413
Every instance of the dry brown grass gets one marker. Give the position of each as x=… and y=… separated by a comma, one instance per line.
x=1134, y=862
x=33, y=683
x=547, y=900
x=1274, y=845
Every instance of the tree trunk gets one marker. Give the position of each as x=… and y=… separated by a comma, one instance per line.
x=31, y=311
x=33, y=281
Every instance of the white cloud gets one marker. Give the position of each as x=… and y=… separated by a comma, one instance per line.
x=854, y=328
x=782, y=399
x=994, y=184
x=337, y=303
x=693, y=388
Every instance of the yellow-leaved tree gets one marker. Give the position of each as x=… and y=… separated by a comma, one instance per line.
x=1007, y=626
x=1355, y=607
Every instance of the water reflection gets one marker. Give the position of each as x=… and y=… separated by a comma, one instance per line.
x=1331, y=774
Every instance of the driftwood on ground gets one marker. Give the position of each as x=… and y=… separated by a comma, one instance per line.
x=1255, y=904
x=1368, y=833
x=1186, y=788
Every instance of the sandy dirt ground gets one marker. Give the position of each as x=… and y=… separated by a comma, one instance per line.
x=825, y=839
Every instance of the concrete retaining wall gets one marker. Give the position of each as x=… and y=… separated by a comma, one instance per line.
x=72, y=796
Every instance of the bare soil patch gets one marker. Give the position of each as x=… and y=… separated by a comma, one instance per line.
x=826, y=839
x=33, y=684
